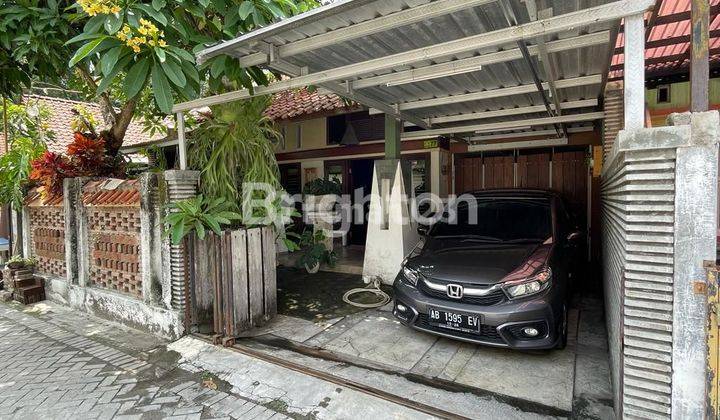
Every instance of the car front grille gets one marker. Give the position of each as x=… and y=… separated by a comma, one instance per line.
x=493, y=298
x=487, y=333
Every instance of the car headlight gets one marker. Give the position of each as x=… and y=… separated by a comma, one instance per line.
x=410, y=275
x=531, y=285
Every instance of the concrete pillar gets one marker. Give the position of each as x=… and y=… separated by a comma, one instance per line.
x=182, y=149
x=181, y=185
x=699, y=56
x=77, y=252
x=393, y=128
x=391, y=232
x=634, y=72
x=696, y=193
x=151, y=239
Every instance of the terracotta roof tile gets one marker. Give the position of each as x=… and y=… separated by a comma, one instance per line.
x=34, y=198
x=62, y=115
x=111, y=192
x=295, y=103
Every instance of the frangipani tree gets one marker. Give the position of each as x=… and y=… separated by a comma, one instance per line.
x=132, y=55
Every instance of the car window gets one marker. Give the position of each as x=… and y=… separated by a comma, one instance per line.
x=502, y=220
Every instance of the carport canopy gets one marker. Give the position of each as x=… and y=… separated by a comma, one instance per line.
x=464, y=69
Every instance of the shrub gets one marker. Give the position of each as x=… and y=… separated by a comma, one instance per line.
x=321, y=186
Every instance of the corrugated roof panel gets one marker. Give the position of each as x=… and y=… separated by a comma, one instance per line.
x=433, y=31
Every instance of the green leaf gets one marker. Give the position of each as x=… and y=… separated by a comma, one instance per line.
x=136, y=77
x=158, y=4
x=245, y=9
x=277, y=11
x=178, y=231
x=85, y=50
x=108, y=78
x=174, y=72
x=81, y=37
x=94, y=24
x=161, y=90
x=160, y=54
x=158, y=16
x=109, y=59
x=200, y=229
x=182, y=53
x=217, y=66
x=113, y=23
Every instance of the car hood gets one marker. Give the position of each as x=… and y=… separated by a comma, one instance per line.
x=483, y=264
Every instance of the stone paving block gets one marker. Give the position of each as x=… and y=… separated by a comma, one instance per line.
x=49, y=372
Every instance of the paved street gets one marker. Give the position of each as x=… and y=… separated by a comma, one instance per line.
x=57, y=364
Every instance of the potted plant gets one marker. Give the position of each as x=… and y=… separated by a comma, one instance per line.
x=320, y=195
x=17, y=262
x=314, y=252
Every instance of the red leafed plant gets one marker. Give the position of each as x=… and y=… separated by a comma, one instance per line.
x=49, y=170
x=87, y=154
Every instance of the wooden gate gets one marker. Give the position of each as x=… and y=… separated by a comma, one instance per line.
x=232, y=282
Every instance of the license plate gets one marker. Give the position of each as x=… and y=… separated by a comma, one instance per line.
x=454, y=321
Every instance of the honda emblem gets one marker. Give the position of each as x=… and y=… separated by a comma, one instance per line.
x=455, y=291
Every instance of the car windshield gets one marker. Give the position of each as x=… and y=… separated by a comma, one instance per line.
x=496, y=220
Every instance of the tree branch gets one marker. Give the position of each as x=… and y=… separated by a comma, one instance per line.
x=108, y=110
x=119, y=128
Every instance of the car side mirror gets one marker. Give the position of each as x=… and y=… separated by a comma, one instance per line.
x=574, y=237
x=423, y=230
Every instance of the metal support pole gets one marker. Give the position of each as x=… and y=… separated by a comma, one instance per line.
x=699, y=56
x=634, y=72
x=393, y=129
x=182, y=151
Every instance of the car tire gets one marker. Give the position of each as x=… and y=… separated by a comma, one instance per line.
x=562, y=341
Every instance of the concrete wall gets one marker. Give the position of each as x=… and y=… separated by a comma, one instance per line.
x=120, y=278
x=659, y=206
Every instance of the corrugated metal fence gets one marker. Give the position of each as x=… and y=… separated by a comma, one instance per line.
x=643, y=199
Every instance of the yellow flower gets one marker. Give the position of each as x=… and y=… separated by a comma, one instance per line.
x=162, y=43
x=136, y=48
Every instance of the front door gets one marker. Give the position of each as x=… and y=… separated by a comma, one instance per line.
x=361, y=174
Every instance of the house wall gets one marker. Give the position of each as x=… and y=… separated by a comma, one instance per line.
x=314, y=152
x=679, y=101
x=312, y=133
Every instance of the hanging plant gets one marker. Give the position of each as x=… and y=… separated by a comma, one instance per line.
x=235, y=145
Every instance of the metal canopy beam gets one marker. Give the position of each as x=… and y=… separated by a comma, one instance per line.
x=552, y=25
x=377, y=25
x=591, y=116
x=525, y=134
x=435, y=71
x=512, y=21
x=585, y=103
x=495, y=93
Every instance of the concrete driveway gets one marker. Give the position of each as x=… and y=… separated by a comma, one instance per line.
x=571, y=382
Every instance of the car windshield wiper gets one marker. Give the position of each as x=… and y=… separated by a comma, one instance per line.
x=519, y=240
x=470, y=238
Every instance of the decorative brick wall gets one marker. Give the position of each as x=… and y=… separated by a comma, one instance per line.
x=113, y=224
x=47, y=235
